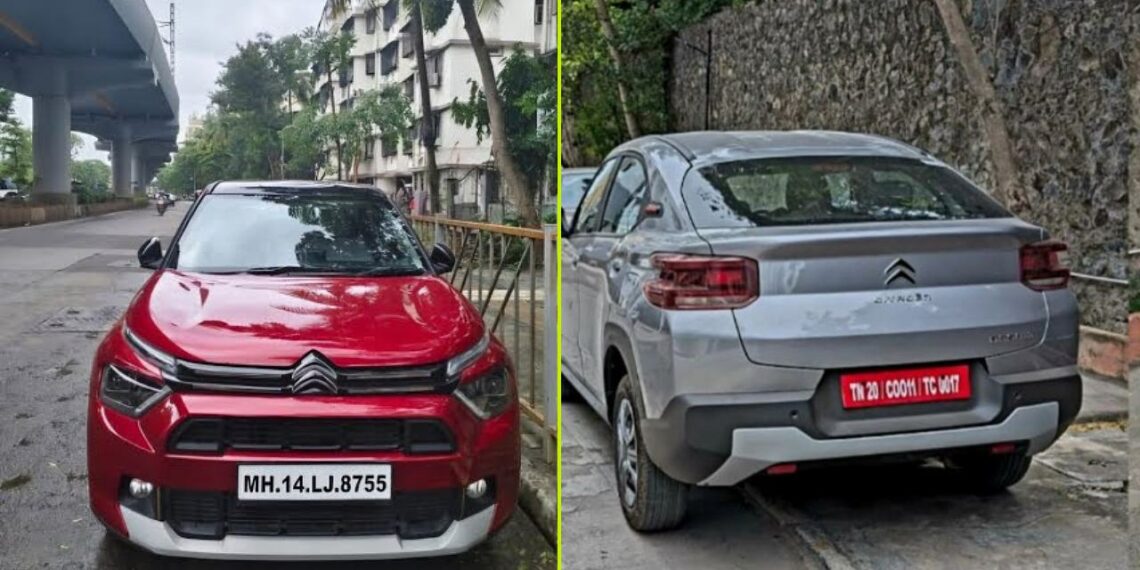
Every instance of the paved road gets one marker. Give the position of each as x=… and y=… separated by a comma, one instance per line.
x=60, y=285
x=1069, y=512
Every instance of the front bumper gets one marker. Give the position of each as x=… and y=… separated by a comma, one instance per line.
x=158, y=538
x=724, y=439
x=121, y=447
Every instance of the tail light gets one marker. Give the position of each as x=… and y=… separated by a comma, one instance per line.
x=1043, y=265
x=703, y=282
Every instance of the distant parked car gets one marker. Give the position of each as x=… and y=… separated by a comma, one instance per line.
x=12, y=195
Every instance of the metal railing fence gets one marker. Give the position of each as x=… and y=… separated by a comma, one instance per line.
x=504, y=272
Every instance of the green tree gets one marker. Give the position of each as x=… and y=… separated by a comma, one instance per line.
x=330, y=55
x=305, y=142
x=248, y=101
x=16, y=150
x=384, y=112
x=7, y=99
x=92, y=176
x=633, y=47
x=527, y=84
x=496, y=115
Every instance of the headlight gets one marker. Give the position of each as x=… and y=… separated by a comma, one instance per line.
x=132, y=394
x=488, y=395
x=163, y=361
x=464, y=359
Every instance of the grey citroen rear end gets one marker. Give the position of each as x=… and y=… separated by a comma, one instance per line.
x=842, y=297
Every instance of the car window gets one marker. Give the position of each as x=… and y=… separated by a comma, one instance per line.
x=333, y=232
x=589, y=212
x=829, y=190
x=623, y=207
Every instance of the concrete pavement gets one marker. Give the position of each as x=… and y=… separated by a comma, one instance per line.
x=61, y=285
x=721, y=532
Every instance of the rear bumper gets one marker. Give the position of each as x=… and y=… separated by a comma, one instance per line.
x=159, y=538
x=754, y=450
x=724, y=439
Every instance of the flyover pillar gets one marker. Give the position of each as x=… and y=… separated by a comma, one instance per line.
x=51, y=138
x=138, y=169
x=121, y=155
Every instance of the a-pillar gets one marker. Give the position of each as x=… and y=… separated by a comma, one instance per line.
x=51, y=138
x=122, y=152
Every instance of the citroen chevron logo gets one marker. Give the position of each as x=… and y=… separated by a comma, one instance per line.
x=314, y=375
x=898, y=269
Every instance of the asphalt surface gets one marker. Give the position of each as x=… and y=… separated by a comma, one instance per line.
x=1069, y=512
x=61, y=285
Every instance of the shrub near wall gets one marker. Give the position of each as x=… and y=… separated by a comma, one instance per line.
x=1058, y=70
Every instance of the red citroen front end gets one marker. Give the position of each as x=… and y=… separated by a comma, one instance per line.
x=287, y=417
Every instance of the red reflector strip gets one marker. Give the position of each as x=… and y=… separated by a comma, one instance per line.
x=1003, y=449
x=782, y=469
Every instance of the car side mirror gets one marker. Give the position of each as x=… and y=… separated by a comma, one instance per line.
x=565, y=226
x=442, y=260
x=150, y=253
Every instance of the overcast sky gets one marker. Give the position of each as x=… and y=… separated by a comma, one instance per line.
x=207, y=32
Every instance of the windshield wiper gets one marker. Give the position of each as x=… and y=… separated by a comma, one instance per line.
x=390, y=271
x=281, y=269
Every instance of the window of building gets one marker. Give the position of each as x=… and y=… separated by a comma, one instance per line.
x=391, y=12
x=369, y=147
x=388, y=58
x=370, y=64
x=370, y=21
x=538, y=6
x=409, y=138
x=389, y=145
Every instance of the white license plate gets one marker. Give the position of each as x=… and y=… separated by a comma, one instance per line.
x=315, y=482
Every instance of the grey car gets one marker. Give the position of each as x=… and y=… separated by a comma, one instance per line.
x=759, y=303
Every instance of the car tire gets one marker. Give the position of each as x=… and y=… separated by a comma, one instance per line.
x=989, y=474
x=656, y=502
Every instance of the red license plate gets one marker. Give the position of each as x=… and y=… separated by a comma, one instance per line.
x=905, y=386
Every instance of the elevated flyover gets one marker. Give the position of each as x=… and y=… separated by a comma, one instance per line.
x=97, y=67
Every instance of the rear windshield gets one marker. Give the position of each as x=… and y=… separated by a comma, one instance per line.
x=332, y=233
x=832, y=190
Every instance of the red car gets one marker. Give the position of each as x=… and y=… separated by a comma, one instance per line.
x=297, y=381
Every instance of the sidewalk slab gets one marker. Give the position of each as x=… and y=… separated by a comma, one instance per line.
x=1104, y=400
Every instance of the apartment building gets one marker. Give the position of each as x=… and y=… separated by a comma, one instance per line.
x=383, y=55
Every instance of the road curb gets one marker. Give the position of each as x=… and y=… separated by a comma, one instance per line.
x=1115, y=416
x=812, y=539
x=537, y=488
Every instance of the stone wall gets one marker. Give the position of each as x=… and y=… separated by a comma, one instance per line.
x=1060, y=80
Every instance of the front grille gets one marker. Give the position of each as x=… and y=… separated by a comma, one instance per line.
x=418, y=514
x=430, y=378
x=213, y=435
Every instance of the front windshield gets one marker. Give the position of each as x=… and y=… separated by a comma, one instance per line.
x=304, y=233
